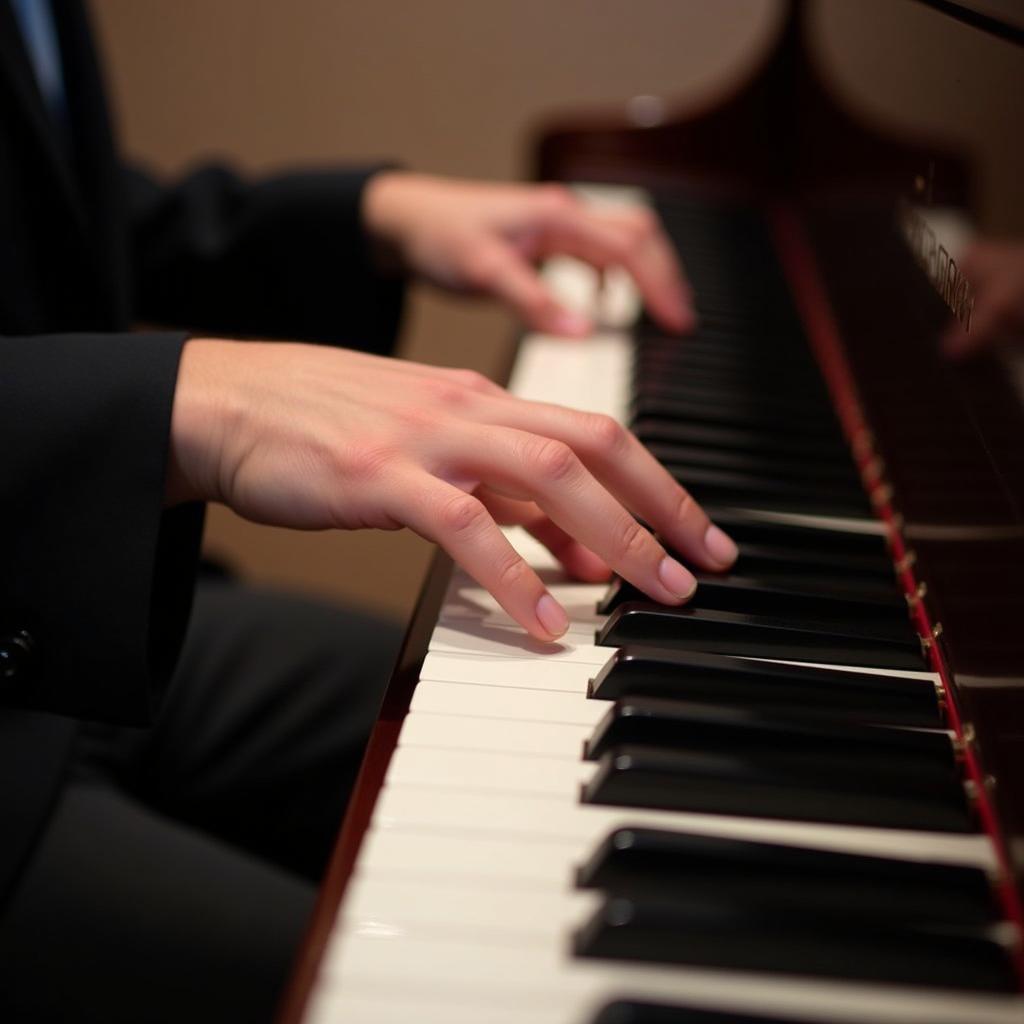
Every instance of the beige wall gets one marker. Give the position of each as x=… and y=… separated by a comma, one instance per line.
x=454, y=86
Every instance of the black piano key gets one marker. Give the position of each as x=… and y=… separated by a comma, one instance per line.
x=718, y=933
x=652, y=430
x=747, y=490
x=632, y=1012
x=779, y=573
x=885, y=613
x=747, y=528
x=735, y=415
x=804, y=470
x=638, y=861
x=849, y=571
x=806, y=407
x=697, y=676
x=746, y=783
x=723, y=632
x=655, y=722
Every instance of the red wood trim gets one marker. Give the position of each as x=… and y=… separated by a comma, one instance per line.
x=799, y=265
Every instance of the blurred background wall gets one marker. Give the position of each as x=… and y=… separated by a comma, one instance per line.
x=455, y=87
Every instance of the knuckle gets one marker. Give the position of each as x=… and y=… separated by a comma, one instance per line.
x=605, y=435
x=461, y=514
x=364, y=462
x=512, y=574
x=473, y=381
x=556, y=197
x=444, y=391
x=552, y=460
x=632, y=540
x=645, y=221
x=482, y=269
x=686, y=508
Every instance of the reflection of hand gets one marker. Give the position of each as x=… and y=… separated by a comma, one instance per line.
x=995, y=271
x=477, y=237
x=314, y=438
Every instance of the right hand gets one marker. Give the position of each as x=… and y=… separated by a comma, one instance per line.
x=314, y=438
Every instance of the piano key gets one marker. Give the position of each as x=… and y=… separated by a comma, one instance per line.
x=491, y=802
x=723, y=486
x=744, y=682
x=525, y=736
x=518, y=671
x=747, y=783
x=741, y=461
x=476, y=700
x=720, y=933
x=723, y=632
x=645, y=861
x=545, y=985
x=653, y=429
x=822, y=744
x=622, y=1012
x=862, y=535
x=498, y=641
x=744, y=592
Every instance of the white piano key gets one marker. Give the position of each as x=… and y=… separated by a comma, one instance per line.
x=448, y=906
x=522, y=818
x=445, y=698
x=539, y=980
x=331, y=1005
x=476, y=771
x=591, y=376
x=473, y=638
x=518, y=670
x=483, y=859
x=498, y=735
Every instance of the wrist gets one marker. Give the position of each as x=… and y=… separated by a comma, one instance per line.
x=201, y=419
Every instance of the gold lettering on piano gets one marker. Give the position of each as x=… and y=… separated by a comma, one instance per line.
x=940, y=268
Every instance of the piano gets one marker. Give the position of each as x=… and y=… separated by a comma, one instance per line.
x=800, y=797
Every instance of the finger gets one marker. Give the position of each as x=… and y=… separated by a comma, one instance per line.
x=663, y=260
x=634, y=241
x=627, y=470
x=463, y=527
x=578, y=561
x=530, y=467
x=496, y=268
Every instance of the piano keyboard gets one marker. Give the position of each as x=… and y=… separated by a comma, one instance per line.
x=525, y=864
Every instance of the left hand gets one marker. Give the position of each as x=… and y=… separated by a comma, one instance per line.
x=486, y=238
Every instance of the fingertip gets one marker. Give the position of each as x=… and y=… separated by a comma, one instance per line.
x=720, y=547
x=551, y=616
x=570, y=324
x=678, y=581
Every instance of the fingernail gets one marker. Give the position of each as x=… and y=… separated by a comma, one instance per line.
x=675, y=579
x=720, y=546
x=567, y=322
x=551, y=615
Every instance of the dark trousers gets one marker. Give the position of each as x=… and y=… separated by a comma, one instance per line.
x=178, y=870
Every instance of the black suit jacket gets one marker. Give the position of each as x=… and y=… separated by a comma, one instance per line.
x=96, y=575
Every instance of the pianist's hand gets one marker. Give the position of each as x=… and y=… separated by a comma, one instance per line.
x=995, y=269
x=484, y=238
x=315, y=438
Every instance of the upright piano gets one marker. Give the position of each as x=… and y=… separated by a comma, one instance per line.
x=800, y=797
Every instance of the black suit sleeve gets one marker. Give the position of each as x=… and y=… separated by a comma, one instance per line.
x=285, y=258
x=96, y=573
